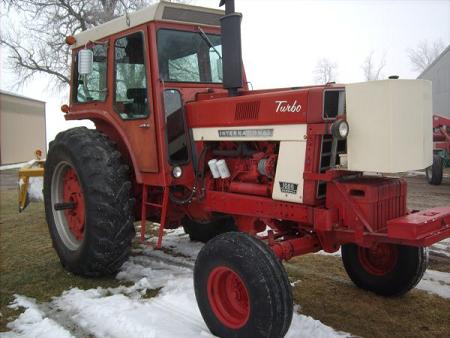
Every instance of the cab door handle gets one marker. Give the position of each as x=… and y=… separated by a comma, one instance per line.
x=144, y=125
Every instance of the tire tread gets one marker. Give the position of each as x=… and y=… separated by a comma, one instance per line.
x=107, y=188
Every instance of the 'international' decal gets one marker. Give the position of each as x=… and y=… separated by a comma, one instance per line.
x=246, y=133
x=288, y=188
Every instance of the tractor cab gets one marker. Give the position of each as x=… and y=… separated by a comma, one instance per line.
x=133, y=76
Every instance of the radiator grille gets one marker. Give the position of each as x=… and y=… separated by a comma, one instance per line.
x=329, y=158
x=325, y=162
x=247, y=111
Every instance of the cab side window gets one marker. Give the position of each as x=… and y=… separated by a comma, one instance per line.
x=130, y=100
x=177, y=141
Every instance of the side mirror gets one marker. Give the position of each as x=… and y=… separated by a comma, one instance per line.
x=85, y=61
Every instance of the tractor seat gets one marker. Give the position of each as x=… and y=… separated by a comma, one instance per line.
x=139, y=95
x=137, y=108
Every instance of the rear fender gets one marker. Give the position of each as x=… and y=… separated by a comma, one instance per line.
x=109, y=126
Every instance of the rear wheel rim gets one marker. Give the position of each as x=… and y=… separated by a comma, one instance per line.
x=380, y=259
x=70, y=223
x=228, y=297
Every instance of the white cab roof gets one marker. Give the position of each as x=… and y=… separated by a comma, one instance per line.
x=163, y=11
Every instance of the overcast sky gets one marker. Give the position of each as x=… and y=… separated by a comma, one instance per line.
x=283, y=40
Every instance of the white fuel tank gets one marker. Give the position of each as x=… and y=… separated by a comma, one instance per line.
x=390, y=125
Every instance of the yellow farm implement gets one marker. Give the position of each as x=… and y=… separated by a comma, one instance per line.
x=33, y=168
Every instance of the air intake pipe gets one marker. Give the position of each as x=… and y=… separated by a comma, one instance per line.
x=231, y=48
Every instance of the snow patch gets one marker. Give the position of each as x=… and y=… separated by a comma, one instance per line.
x=33, y=322
x=335, y=254
x=124, y=312
x=441, y=249
x=436, y=282
x=307, y=327
x=35, y=187
x=423, y=173
x=121, y=316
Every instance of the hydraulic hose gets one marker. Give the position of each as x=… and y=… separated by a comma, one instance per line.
x=199, y=175
x=182, y=201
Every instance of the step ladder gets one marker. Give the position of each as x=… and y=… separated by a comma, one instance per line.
x=163, y=206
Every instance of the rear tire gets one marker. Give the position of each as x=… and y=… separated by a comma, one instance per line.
x=203, y=232
x=94, y=236
x=242, y=289
x=435, y=171
x=387, y=270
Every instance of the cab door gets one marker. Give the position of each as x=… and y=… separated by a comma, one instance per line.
x=132, y=96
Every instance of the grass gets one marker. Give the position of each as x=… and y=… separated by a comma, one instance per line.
x=440, y=265
x=327, y=294
x=28, y=263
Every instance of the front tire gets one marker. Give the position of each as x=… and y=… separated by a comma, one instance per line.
x=435, y=171
x=242, y=289
x=387, y=269
x=86, y=180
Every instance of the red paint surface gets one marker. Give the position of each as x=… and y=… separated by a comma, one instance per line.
x=72, y=192
x=441, y=133
x=378, y=260
x=228, y=297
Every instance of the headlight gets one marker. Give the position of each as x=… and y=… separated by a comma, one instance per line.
x=339, y=129
x=177, y=172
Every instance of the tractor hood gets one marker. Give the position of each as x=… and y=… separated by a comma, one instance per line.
x=283, y=106
x=390, y=121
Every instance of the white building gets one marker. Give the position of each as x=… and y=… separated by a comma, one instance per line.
x=22, y=128
x=439, y=73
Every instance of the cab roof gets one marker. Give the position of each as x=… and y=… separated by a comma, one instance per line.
x=162, y=11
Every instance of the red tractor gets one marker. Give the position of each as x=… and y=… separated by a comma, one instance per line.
x=261, y=176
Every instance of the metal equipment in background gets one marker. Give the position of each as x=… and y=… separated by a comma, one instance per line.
x=441, y=150
x=34, y=168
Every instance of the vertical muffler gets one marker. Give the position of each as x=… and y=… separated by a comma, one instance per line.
x=231, y=48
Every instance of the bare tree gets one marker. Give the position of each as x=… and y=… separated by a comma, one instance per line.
x=38, y=45
x=325, y=71
x=372, y=70
x=424, y=54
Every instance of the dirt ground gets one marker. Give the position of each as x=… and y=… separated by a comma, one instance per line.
x=422, y=195
x=30, y=267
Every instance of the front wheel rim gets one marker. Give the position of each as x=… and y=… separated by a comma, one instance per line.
x=380, y=259
x=66, y=188
x=228, y=297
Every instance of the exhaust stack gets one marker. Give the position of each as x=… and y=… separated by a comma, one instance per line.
x=231, y=48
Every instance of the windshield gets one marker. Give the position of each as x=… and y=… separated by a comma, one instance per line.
x=188, y=57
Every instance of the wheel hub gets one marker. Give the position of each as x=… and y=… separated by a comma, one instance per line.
x=72, y=193
x=380, y=259
x=228, y=297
